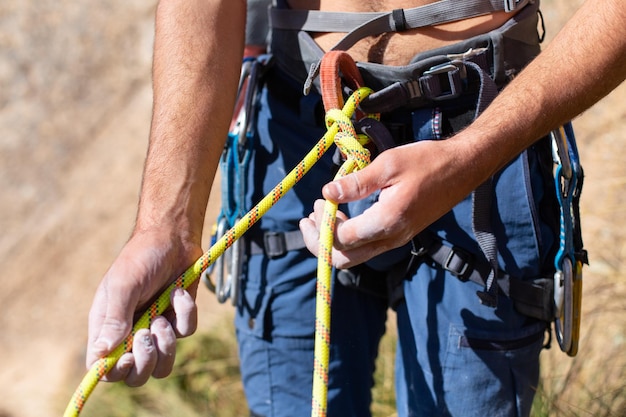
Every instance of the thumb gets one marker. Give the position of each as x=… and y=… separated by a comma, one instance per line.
x=110, y=322
x=355, y=186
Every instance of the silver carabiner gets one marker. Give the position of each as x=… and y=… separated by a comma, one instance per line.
x=219, y=267
x=563, y=295
x=227, y=268
x=237, y=256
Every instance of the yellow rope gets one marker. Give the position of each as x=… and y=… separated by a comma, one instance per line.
x=101, y=367
x=356, y=157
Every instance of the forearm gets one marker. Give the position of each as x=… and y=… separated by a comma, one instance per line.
x=197, y=57
x=584, y=62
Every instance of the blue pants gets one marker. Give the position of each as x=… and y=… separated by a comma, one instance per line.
x=455, y=356
x=276, y=312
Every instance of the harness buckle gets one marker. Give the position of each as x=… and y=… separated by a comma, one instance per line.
x=443, y=81
x=458, y=263
x=275, y=244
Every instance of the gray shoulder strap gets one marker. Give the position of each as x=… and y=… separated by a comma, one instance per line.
x=360, y=25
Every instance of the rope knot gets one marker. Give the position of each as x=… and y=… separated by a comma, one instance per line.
x=347, y=140
x=352, y=149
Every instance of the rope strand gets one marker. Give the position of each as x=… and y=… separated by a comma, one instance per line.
x=356, y=157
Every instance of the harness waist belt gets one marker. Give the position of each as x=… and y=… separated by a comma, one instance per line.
x=510, y=48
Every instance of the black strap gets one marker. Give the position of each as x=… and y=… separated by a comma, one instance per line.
x=276, y=244
x=500, y=345
x=437, y=81
x=531, y=297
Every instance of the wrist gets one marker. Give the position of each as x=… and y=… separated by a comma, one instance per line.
x=179, y=245
x=178, y=212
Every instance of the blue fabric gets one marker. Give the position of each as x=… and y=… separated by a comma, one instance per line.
x=276, y=312
x=435, y=374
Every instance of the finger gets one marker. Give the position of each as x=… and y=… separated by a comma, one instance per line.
x=310, y=227
x=145, y=355
x=165, y=342
x=185, y=320
x=318, y=212
x=370, y=226
x=310, y=234
x=354, y=186
x=348, y=258
x=110, y=321
x=122, y=367
x=383, y=221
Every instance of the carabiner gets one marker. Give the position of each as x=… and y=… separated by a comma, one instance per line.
x=234, y=165
x=237, y=258
x=568, y=270
x=218, y=268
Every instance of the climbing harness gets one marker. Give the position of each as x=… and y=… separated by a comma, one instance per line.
x=570, y=256
x=338, y=122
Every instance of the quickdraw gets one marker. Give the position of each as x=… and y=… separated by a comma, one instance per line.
x=234, y=169
x=338, y=122
x=570, y=257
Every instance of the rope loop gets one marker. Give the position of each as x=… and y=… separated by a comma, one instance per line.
x=347, y=140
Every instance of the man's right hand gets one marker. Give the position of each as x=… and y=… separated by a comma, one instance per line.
x=147, y=264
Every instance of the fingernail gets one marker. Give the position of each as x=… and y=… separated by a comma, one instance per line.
x=146, y=340
x=335, y=190
x=102, y=344
x=126, y=362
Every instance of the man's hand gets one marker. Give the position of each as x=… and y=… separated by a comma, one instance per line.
x=418, y=183
x=147, y=264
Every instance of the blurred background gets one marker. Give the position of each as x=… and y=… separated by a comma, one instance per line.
x=75, y=102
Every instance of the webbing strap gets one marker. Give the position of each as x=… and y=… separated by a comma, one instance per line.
x=277, y=244
x=532, y=297
x=482, y=199
x=481, y=226
x=373, y=23
x=360, y=25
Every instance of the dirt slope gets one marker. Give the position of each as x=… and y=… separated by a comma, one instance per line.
x=75, y=102
x=74, y=115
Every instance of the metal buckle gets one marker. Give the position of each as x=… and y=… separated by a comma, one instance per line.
x=455, y=72
x=454, y=256
x=274, y=244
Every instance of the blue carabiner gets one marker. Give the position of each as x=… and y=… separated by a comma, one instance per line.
x=568, y=269
x=234, y=166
